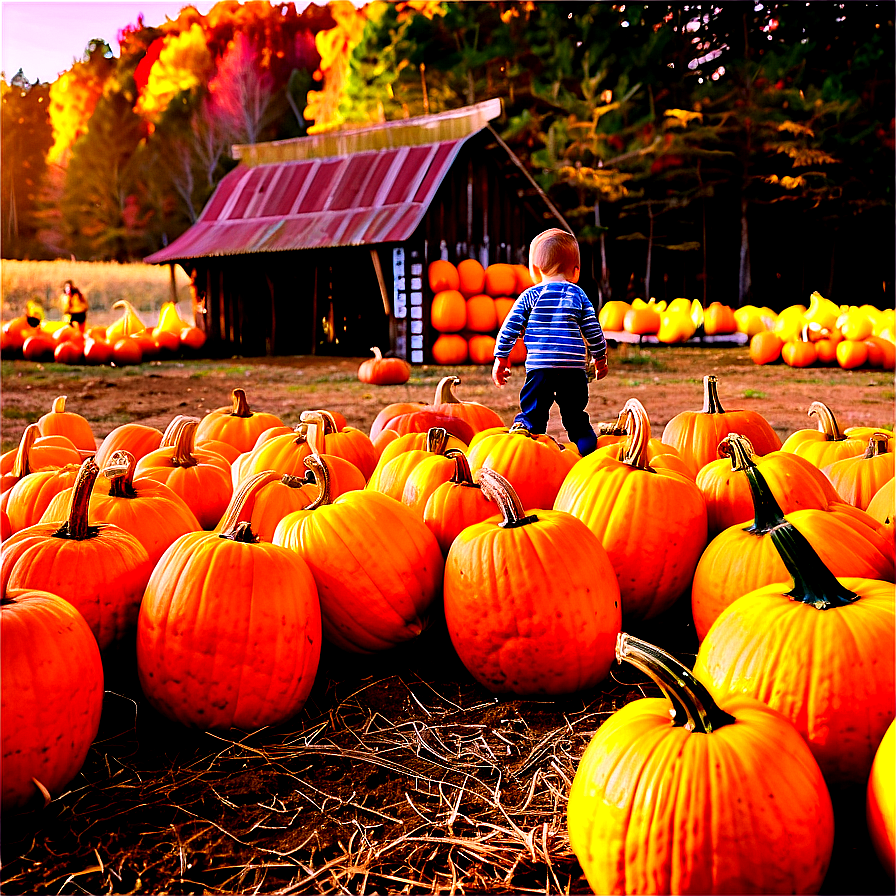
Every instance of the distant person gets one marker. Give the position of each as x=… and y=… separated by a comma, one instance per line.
x=74, y=305
x=564, y=342
x=34, y=312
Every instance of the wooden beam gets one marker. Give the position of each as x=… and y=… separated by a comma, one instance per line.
x=387, y=307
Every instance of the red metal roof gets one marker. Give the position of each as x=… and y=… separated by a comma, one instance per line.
x=378, y=196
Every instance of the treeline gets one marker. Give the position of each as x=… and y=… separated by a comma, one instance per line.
x=729, y=151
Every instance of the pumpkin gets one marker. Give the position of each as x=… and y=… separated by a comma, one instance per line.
x=167, y=343
x=391, y=474
x=192, y=338
x=719, y=319
x=350, y=443
x=36, y=452
x=410, y=441
x=612, y=315
x=427, y=418
x=472, y=277
x=69, y=352
x=481, y=314
x=858, y=479
x=238, y=425
x=38, y=346
x=523, y=278
x=818, y=649
x=16, y=331
x=370, y=532
x=826, y=444
x=641, y=321
x=380, y=371
x=503, y=304
x=457, y=503
x=795, y=483
x=481, y=348
x=500, y=280
x=881, y=352
x=655, y=544
x=100, y=569
x=395, y=409
x=765, y=347
x=27, y=500
x=674, y=806
x=442, y=274
x=152, y=512
x=170, y=322
x=97, y=351
x=741, y=559
x=531, y=602
x=229, y=630
x=127, y=325
x=448, y=313
x=450, y=348
x=200, y=477
x=535, y=466
x=477, y=415
x=284, y=453
x=59, y=422
x=125, y=351
x=135, y=438
x=428, y=474
x=797, y=352
x=880, y=800
x=696, y=434
x=881, y=506
x=52, y=694
x=851, y=354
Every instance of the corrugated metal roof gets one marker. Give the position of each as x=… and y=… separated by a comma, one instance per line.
x=363, y=198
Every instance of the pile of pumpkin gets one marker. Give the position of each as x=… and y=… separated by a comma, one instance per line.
x=126, y=341
x=469, y=305
x=672, y=322
x=233, y=544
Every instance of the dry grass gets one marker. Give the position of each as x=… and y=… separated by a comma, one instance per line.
x=145, y=286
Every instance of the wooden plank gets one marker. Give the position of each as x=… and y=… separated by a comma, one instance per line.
x=387, y=305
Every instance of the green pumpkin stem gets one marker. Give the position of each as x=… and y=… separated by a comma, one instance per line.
x=496, y=488
x=692, y=705
x=827, y=422
x=240, y=404
x=711, y=403
x=740, y=449
x=444, y=391
x=77, y=526
x=119, y=469
x=767, y=513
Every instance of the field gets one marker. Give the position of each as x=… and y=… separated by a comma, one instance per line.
x=401, y=774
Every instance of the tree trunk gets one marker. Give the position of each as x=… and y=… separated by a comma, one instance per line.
x=744, y=284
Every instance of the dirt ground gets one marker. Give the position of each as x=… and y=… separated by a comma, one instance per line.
x=401, y=774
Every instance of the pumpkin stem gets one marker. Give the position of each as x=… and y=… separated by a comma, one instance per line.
x=240, y=404
x=462, y=474
x=77, y=527
x=377, y=354
x=324, y=419
x=496, y=488
x=316, y=437
x=711, y=403
x=120, y=469
x=767, y=513
x=827, y=422
x=183, y=444
x=59, y=405
x=22, y=464
x=638, y=427
x=234, y=524
x=878, y=444
x=813, y=583
x=444, y=393
x=169, y=437
x=322, y=479
x=740, y=449
x=436, y=440
x=692, y=706
x=616, y=428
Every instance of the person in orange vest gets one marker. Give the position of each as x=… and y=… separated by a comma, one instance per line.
x=74, y=305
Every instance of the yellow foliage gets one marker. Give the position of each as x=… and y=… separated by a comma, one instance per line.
x=607, y=181
x=803, y=156
x=788, y=182
x=73, y=97
x=682, y=117
x=793, y=127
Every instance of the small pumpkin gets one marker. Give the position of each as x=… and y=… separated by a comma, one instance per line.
x=448, y=313
x=238, y=425
x=449, y=348
x=347, y=442
x=380, y=371
x=858, y=479
x=472, y=277
x=882, y=506
x=59, y=422
x=531, y=602
x=765, y=347
x=500, y=279
x=135, y=438
x=479, y=416
x=880, y=804
x=826, y=444
x=655, y=800
x=391, y=474
x=442, y=274
x=52, y=694
x=284, y=453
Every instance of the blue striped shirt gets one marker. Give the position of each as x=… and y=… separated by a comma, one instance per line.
x=554, y=318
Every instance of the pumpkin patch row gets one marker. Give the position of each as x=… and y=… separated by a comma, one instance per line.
x=233, y=545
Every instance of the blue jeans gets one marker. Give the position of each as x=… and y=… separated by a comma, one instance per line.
x=569, y=388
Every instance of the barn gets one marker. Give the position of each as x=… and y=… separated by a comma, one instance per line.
x=320, y=244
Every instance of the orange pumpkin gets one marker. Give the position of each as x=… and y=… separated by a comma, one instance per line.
x=449, y=311
x=799, y=353
x=531, y=602
x=481, y=348
x=38, y=347
x=284, y=454
x=237, y=425
x=411, y=441
x=817, y=649
x=450, y=348
x=52, y=694
x=380, y=371
x=696, y=434
x=442, y=275
x=641, y=321
x=880, y=804
x=229, y=630
x=523, y=278
x=851, y=353
x=192, y=339
x=477, y=415
x=101, y=570
x=765, y=347
x=472, y=277
x=36, y=452
x=500, y=280
x=126, y=351
x=97, y=351
x=644, y=778
x=655, y=545
x=31, y=495
x=826, y=444
x=59, y=422
x=481, y=314
x=348, y=442
x=883, y=503
x=391, y=473
x=858, y=479
x=719, y=319
x=503, y=304
x=135, y=438
x=402, y=563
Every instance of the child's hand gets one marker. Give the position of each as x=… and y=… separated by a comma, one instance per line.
x=501, y=371
x=601, y=369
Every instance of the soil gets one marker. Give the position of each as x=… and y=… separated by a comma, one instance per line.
x=401, y=774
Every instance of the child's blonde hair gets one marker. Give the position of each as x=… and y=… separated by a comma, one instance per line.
x=554, y=251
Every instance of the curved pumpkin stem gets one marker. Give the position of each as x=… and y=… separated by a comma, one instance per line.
x=240, y=404
x=436, y=440
x=767, y=513
x=711, y=403
x=692, y=705
x=461, y=474
x=638, y=427
x=183, y=444
x=22, y=463
x=234, y=524
x=322, y=479
x=827, y=422
x=59, y=405
x=77, y=526
x=169, y=436
x=377, y=354
x=120, y=469
x=616, y=428
x=324, y=419
x=878, y=444
x=444, y=393
x=497, y=489
x=740, y=449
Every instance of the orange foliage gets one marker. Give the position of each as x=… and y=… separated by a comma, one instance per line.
x=73, y=97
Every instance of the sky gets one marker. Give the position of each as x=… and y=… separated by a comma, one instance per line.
x=44, y=37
